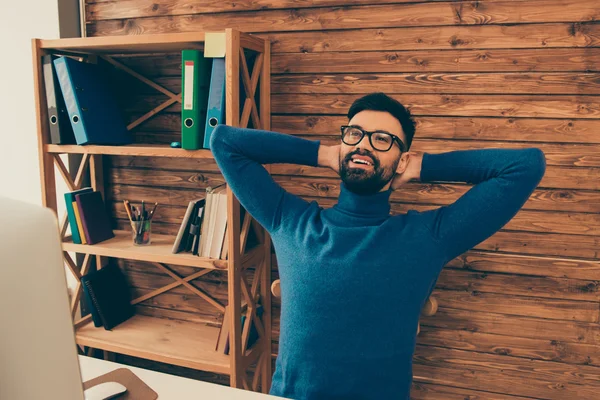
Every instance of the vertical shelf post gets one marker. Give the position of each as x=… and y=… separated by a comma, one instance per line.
x=232, y=101
x=265, y=287
x=47, y=176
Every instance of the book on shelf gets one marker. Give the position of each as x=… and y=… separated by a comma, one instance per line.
x=108, y=296
x=182, y=238
x=202, y=229
x=87, y=216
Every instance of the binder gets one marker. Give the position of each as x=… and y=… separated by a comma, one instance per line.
x=195, y=81
x=69, y=200
x=93, y=112
x=61, y=131
x=216, y=99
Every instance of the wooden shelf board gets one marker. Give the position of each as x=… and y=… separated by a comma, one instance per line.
x=130, y=150
x=159, y=250
x=176, y=342
x=168, y=42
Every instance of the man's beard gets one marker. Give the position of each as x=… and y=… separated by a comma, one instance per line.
x=365, y=181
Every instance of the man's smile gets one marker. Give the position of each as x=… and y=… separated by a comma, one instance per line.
x=361, y=162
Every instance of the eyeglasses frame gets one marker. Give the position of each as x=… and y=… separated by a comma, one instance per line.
x=395, y=138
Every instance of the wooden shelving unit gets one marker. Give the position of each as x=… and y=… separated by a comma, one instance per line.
x=176, y=342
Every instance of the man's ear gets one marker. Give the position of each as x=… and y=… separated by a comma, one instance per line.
x=404, y=161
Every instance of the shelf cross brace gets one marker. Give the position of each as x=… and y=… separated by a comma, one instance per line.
x=250, y=84
x=173, y=97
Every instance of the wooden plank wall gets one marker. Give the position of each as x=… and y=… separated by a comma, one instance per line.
x=519, y=313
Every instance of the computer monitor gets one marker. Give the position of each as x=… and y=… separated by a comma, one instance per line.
x=38, y=354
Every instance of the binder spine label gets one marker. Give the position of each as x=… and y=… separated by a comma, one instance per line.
x=188, y=99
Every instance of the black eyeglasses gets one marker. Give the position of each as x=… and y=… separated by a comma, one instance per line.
x=381, y=141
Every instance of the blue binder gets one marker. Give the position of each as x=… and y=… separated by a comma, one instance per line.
x=92, y=109
x=215, y=114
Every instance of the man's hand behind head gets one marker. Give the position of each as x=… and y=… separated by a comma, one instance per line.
x=329, y=156
x=412, y=173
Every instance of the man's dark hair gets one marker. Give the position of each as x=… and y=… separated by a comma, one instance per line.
x=382, y=102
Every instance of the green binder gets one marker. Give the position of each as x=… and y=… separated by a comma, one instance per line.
x=195, y=82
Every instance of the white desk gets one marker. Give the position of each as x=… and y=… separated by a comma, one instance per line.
x=171, y=387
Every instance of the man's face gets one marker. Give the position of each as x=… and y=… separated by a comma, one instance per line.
x=370, y=179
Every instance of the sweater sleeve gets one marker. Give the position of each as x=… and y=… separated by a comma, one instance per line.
x=503, y=181
x=240, y=153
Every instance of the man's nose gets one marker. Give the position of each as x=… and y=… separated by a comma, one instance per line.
x=364, y=144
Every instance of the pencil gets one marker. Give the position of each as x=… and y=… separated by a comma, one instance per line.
x=153, y=209
x=128, y=210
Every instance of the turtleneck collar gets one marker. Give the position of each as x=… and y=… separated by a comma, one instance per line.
x=375, y=205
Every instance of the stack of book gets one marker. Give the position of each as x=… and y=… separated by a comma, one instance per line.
x=203, y=231
x=88, y=217
x=108, y=296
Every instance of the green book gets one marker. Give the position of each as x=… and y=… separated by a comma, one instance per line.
x=195, y=83
x=69, y=199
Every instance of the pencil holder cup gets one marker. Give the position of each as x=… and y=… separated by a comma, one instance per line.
x=140, y=232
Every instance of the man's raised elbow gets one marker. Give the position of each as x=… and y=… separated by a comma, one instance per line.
x=536, y=162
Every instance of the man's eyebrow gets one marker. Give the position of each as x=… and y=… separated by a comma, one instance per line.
x=377, y=130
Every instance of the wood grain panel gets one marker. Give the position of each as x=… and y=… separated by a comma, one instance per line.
x=491, y=60
x=353, y=17
x=557, y=309
x=557, y=288
x=526, y=265
x=545, y=379
x=506, y=324
x=429, y=391
x=513, y=346
x=106, y=9
x=473, y=83
x=543, y=35
x=562, y=106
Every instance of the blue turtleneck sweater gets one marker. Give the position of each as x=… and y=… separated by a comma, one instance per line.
x=353, y=277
